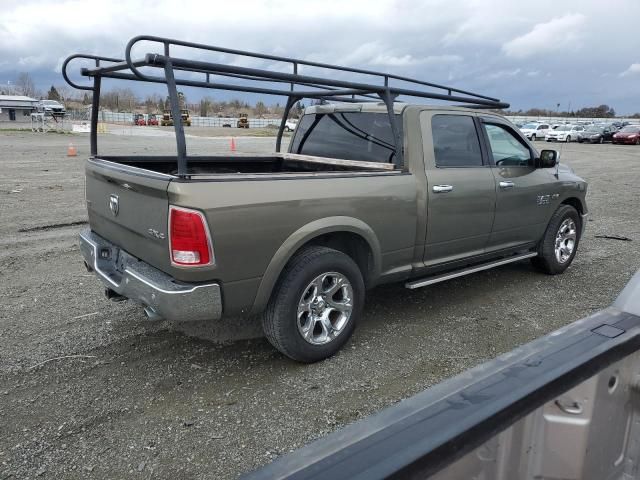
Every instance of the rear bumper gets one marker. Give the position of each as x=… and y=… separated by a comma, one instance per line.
x=142, y=283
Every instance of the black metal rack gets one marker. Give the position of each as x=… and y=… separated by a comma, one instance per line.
x=326, y=87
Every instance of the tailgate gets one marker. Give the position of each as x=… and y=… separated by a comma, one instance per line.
x=129, y=207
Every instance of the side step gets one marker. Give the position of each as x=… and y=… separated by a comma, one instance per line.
x=423, y=282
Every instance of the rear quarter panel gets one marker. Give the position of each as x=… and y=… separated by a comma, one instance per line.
x=251, y=220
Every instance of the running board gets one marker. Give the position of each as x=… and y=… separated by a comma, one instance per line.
x=461, y=273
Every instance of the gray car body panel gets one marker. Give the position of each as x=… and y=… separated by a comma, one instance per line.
x=258, y=222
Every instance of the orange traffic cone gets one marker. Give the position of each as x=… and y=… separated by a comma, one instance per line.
x=71, y=150
x=233, y=145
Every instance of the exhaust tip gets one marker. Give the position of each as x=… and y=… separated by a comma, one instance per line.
x=152, y=314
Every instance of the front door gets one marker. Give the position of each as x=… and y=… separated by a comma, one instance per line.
x=525, y=194
x=461, y=189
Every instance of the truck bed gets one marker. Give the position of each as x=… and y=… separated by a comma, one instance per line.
x=276, y=163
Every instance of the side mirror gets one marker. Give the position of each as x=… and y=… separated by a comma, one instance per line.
x=548, y=158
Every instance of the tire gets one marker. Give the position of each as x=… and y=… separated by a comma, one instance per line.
x=298, y=332
x=563, y=221
x=637, y=141
x=533, y=137
x=568, y=139
x=601, y=140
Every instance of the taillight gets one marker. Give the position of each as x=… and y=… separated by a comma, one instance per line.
x=189, y=239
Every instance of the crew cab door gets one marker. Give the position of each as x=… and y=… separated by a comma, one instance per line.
x=525, y=194
x=460, y=187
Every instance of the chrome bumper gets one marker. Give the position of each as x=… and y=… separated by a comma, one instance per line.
x=140, y=282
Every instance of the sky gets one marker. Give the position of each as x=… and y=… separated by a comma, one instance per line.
x=530, y=54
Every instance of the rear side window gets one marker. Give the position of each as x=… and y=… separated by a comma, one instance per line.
x=347, y=135
x=455, y=141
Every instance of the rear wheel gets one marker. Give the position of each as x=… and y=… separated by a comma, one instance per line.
x=559, y=244
x=315, y=305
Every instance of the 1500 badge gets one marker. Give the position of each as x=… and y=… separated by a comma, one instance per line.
x=546, y=199
x=156, y=233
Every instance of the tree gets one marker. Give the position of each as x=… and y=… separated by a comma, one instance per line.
x=25, y=84
x=206, y=107
x=53, y=94
x=261, y=109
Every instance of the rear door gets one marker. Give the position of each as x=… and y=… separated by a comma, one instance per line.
x=129, y=207
x=461, y=188
x=525, y=194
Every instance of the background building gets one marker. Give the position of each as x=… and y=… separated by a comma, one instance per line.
x=16, y=108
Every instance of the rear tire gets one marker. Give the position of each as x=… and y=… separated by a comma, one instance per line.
x=306, y=321
x=559, y=245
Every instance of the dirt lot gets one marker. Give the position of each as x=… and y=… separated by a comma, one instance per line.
x=89, y=390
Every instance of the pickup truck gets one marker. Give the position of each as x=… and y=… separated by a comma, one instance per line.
x=296, y=238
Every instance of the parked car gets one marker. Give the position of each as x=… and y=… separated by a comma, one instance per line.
x=596, y=134
x=138, y=119
x=153, y=120
x=534, y=131
x=51, y=107
x=564, y=133
x=290, y=125
x=628, y=135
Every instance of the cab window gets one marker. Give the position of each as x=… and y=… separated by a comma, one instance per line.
x=507, y=149
x=455, y=141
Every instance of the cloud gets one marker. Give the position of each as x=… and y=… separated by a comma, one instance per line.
x=632, y=70
x=494, y=47
x=502, y=74
x=558, y=32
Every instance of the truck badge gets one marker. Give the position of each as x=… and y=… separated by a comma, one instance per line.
x=114, y=204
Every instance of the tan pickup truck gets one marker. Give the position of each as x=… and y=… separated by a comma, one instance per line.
x=368, y=193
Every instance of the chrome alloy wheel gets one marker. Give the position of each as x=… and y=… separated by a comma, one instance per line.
x=565, y=240
x=325, y=308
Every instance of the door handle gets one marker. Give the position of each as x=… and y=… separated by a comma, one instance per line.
x=442, y=188
x=506, y=185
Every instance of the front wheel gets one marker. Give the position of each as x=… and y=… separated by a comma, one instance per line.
x=568, y=139
x=559, y=244
x=315, y=305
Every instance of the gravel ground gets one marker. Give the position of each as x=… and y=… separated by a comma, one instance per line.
x=88, y=389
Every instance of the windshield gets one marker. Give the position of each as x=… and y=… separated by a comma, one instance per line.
x=594, y=130
x=346, y=135
x=631, y=129
x=530, y=126
x=564, y=128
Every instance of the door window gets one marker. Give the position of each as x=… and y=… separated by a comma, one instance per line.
x=507, y=149
x=455, y=141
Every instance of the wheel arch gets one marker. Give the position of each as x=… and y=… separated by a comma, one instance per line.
x=346, y=234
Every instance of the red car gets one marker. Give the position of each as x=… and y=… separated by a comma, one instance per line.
x=153, y=120
x=628, y=135
x=139, y=120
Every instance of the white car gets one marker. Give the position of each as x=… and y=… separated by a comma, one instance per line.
x=290, y=125
x=565, y=133
x=533, y=131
